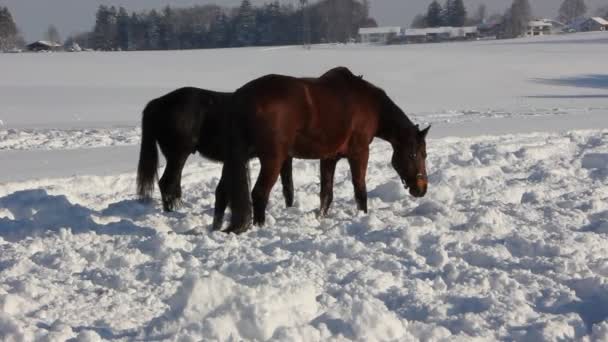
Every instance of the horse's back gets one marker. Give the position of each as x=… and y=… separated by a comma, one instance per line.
x=179, y=117
x=313, y=117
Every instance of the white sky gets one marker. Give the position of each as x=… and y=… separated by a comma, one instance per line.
x=34, y=16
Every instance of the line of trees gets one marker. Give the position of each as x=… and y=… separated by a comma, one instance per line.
x=213, y=26
x=512, y=24
x=452, y=13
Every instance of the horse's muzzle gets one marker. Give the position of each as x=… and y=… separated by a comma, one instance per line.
x=418, y=189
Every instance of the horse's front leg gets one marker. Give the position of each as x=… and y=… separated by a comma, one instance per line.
x=328, y=169
x=287, y=181
x=358, y=170
x=269, y=172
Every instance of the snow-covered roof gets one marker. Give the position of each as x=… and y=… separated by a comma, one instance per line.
x=600, y=20
x=47, y=43
x=452, y=31
x=379, y=30
x=539, y=23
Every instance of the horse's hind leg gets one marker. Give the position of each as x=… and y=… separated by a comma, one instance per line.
x=358, y=169
x=328, y=169
x=287, y=181
x=221, y=202
x=269, y=172
x=170, y=182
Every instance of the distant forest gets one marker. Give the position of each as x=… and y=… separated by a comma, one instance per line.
x=213, y=26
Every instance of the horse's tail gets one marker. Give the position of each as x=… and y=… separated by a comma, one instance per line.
x=236, y=174
x=148, y=156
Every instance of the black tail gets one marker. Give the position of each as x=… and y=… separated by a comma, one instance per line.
x=148, y=155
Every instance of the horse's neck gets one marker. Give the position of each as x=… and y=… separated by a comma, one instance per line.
x=393, y=123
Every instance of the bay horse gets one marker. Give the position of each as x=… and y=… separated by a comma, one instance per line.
x=183, y=122
x=331, y=117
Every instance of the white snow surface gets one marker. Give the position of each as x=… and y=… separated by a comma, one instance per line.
x=510, y=243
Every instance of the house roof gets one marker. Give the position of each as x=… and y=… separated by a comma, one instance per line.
x=384, y=29
x=45, y=43
x=452, y=31
x=600, y=20
x=539, y=23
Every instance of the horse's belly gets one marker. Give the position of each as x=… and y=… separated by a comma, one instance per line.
x=316, y=147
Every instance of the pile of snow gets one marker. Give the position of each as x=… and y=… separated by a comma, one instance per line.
x=510, y=242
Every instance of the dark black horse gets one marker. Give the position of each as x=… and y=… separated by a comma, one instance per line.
x=183, y=122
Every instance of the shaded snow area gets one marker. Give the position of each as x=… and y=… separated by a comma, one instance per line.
x=511, y=243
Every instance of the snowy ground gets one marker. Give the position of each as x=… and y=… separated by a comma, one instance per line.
x=510, y=242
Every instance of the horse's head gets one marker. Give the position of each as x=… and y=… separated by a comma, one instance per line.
x=409, y=160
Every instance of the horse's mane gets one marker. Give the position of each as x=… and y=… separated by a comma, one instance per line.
x=340, y=71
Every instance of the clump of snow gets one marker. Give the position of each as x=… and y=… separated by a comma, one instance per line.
x=389, y=192
x=219, y=308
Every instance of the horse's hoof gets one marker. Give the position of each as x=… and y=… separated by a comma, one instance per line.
x=289, y=203
x=237, y=230
x=178, y=203
x=172, y=204
x=216, y=226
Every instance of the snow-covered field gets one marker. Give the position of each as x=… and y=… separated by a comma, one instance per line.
x=510, y=243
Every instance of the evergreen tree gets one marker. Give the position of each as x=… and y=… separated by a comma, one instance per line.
x=104, y=33
x=268, y=24
x=52, y=35
x=458, y=13
x=419, y=21
x=434, y=15
x=168, y=38
x=152, y=34
x=244, y=30
x=571, y=9
x=516, y=19
x=446, y=13
x=8, y=30
x=454, y=13
x=219, y=30
x=123, y=26
x=137, y=32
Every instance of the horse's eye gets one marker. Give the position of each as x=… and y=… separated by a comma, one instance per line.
x=413, y=155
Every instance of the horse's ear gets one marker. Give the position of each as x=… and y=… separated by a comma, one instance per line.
x=424, y=132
